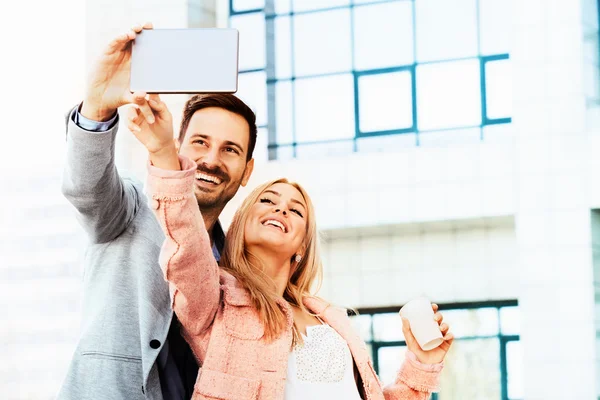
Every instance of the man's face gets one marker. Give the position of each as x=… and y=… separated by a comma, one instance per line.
x=217, y=140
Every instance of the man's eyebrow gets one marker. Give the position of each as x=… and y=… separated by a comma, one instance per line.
x=279, y=195
x=200, y=135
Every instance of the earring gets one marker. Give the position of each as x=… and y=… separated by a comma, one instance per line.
x=298, y=258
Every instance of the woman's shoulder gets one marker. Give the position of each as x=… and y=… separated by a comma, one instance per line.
x=320, y=306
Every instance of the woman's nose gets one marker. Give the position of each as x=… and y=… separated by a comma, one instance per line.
x=278, y=210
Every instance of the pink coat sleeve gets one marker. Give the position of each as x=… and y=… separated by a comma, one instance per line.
x=415, y=381
x=186, y=255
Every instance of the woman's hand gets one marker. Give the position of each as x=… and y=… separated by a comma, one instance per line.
x=157, y=136
x=436, y=355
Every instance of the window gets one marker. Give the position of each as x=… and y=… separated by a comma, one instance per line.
x=439, y=85
x=319, y=49
x=487, y=345
x=252, y=90
x=378, y=111
x=316, y=119
x=368, y=75
x=252, y=40
x=383, y=35
x=446, y=29
x=498, y=83
x=246, y=5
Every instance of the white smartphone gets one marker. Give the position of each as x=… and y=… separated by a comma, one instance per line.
x=185, y=61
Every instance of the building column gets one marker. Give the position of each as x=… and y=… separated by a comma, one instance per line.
x=553, y=222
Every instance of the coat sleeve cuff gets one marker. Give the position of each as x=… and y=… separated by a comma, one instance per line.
x=419, y=376
x=169, y=184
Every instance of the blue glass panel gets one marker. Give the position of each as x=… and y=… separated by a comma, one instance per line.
x=260, y=150
x=498, y=83
x=589, y=12
x=474, y=322
x=390, y=359
x=448, y=95
x=482, y=358
x=283, y=114
x=446, y=29
x=307, y=5
x=244, y=5
x=510, y=320
x=252, y=89
x=383, y=35
x=514, y=364
x=387, y=327
x=362, y=325
x=252, y=39
x=325, y=108
x=385, y=101
x=285, y=153
x=494, y=24
x=283, y=48
x=322, y=42
x=283, y=6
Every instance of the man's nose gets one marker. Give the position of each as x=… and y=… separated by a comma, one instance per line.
x=212, y=158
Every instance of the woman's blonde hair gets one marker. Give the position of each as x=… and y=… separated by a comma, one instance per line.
x=249, y=270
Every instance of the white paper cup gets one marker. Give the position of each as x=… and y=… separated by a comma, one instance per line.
x=424, y=328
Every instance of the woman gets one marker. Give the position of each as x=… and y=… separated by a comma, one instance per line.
x=253, y=324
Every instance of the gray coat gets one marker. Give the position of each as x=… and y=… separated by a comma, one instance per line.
x=126, y=308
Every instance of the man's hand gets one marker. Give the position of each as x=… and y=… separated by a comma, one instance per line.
x=108, y=88
x=158, y=136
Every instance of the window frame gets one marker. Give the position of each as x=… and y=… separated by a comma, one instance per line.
x=270, y=16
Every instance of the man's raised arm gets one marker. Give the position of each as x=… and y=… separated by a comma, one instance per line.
x=105, y=202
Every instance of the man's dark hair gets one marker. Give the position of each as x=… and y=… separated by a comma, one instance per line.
x=225, y=101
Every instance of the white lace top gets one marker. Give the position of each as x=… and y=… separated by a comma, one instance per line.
x=321, y=368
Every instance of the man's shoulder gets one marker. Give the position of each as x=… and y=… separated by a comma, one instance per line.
x=134, y=181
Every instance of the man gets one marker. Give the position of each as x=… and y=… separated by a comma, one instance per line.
x=130, y=347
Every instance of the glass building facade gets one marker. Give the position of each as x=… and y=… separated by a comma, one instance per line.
x=338, y=76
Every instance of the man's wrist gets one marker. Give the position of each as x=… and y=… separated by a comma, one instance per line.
x=95, y=113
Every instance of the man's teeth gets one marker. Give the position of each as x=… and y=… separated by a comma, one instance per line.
x=275, y=223
x=209, y=178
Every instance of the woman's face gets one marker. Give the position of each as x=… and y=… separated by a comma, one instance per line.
x=277, y=220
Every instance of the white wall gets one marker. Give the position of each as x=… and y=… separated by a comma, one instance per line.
x=553, y=218
x=453, y=261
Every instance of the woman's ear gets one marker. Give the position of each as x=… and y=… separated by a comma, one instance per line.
x=302, y=249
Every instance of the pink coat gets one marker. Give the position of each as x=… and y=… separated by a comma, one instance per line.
x=223, y=328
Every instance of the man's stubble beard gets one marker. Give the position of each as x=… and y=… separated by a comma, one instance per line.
x=215, y=201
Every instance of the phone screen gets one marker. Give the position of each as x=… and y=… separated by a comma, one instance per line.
x=185, y=61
